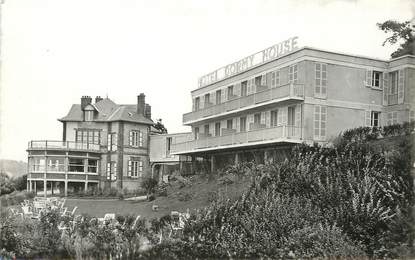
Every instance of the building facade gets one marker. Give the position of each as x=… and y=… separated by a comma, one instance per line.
x=307, y=95
x=103, y=145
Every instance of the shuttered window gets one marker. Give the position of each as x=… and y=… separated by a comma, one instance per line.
x=135, y=168
x=320, y=119
x=136, y=138
x=112, y=141
x=111, y=171
x=293, y=74
x=321, y=80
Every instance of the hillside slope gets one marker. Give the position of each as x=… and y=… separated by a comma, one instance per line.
x=13, y=168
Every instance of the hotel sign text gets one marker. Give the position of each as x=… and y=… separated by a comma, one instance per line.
x=258, y=58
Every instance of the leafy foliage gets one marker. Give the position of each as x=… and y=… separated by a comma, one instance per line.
x=149, y=185
x=400, y=31
x=354, y=199
x=160, y=126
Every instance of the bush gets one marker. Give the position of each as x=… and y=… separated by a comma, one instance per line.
x=149, y=185
x=16, y=198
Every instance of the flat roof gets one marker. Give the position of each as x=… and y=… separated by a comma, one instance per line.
x=299, y=50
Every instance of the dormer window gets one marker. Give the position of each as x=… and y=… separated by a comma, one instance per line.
x=89, y=115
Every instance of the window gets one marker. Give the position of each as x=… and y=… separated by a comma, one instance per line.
x=392, y=118
x=135, y=167
x=112, y=142
x=320, y=119
x=87, y=136
x=56, y=164
x=242, y=124
x=168, y=144
x=393, y=82
x=258, y=80
x=38, y=164
x=244, y=88
x=206, y=130
x=263, y=79
x=376, y=79
x=375, y=118
x=230, y=92
x=92, y=165
x=275, y=78
x=89, y=115
x=196, y=133
x=293, y=74
x=411, y=115
x=112, y=171
x=218, y=96
x=321, y=80
x=217, y=129
x=229, y=124
x=76, y=165
x=274, y=117
x=207, y=99
x=136, y=138
x=197, y=103
x=257, y=118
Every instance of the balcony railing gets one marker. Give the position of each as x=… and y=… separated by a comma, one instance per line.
x=284, y=91
x=261, y=134
x=63, y=145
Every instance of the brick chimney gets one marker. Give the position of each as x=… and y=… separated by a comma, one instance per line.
x=147, y=112
x=85, y=100
x=98, y=98
x=141, y=104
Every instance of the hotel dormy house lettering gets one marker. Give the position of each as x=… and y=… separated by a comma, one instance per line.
x=246, y=63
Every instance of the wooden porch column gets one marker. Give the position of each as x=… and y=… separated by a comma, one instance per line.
x=212, y=163
x=45, y=187
x=236, y=158
x=66, y=188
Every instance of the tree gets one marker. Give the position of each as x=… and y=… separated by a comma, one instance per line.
x=159, y=126
x=400, y=31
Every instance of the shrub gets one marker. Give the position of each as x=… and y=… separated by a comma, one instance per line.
x=15, y=198
x=149, y=185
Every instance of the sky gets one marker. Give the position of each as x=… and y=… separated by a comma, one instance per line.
x=55, y=51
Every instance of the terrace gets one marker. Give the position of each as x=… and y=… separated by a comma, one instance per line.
x=62, y=145
x=262, y=97
x=257, y=135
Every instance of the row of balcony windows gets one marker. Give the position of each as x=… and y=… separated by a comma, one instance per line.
x=286, y=91
x=58, y=164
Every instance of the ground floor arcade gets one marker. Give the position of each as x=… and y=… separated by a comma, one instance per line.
x=213, y=161
x=59, y=187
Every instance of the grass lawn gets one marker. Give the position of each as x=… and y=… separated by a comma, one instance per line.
x=199, y=192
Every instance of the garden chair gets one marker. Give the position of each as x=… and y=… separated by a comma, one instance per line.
x=26, y=211
x=63, y=211
x=108, y=216
x=135, y=221
x=73, y=210
x=15, y=212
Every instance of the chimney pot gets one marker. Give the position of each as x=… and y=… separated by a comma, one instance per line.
x=98, y=98
x=85, y=100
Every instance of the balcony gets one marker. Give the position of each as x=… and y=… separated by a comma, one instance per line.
x=62, y=145
x=267, y=95
x=256, y=136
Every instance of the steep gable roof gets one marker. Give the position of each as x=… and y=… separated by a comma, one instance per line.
x=108, y=111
